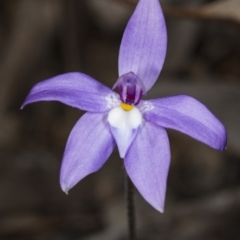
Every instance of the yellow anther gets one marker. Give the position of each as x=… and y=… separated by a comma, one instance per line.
x=126, y=107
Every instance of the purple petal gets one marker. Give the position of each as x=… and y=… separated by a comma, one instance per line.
x=147, y=163
x=74, y=89
x=189, y=116
x=89, y=146
x=144, y=43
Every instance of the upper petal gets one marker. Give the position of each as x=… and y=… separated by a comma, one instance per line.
x=89, y=146
x=189, y=116
x=74, y=89
x=147, y=163
x=144, y=43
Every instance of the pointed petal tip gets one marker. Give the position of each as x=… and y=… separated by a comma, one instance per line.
x=65, y=189
x=23, y=105
x=223, y=146
x=122, y=154
x=158, y=207
x=161, y=210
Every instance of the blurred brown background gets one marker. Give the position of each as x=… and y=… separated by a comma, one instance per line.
x=43, y=38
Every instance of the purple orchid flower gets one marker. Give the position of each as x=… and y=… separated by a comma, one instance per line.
x=137, y=127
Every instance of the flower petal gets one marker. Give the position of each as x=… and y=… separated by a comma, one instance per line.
x=124, y=127
x=144, y=43
x=74, y=89
x=89, y=146
x=147, y=163
x=189, y=116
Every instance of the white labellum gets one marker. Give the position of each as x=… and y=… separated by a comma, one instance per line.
x=124, y=127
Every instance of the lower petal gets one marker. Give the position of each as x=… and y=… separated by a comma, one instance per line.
x=89, y=146
x=147, y=163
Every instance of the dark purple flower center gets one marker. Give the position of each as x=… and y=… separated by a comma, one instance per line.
x=130, y=88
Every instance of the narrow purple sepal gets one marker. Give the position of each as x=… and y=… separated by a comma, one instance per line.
x=189, y=116
x=147, y=163
x=74, y=89
x=88, y=147
x=144, y=43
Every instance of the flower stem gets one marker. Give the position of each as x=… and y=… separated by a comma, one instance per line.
x=130, y=209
